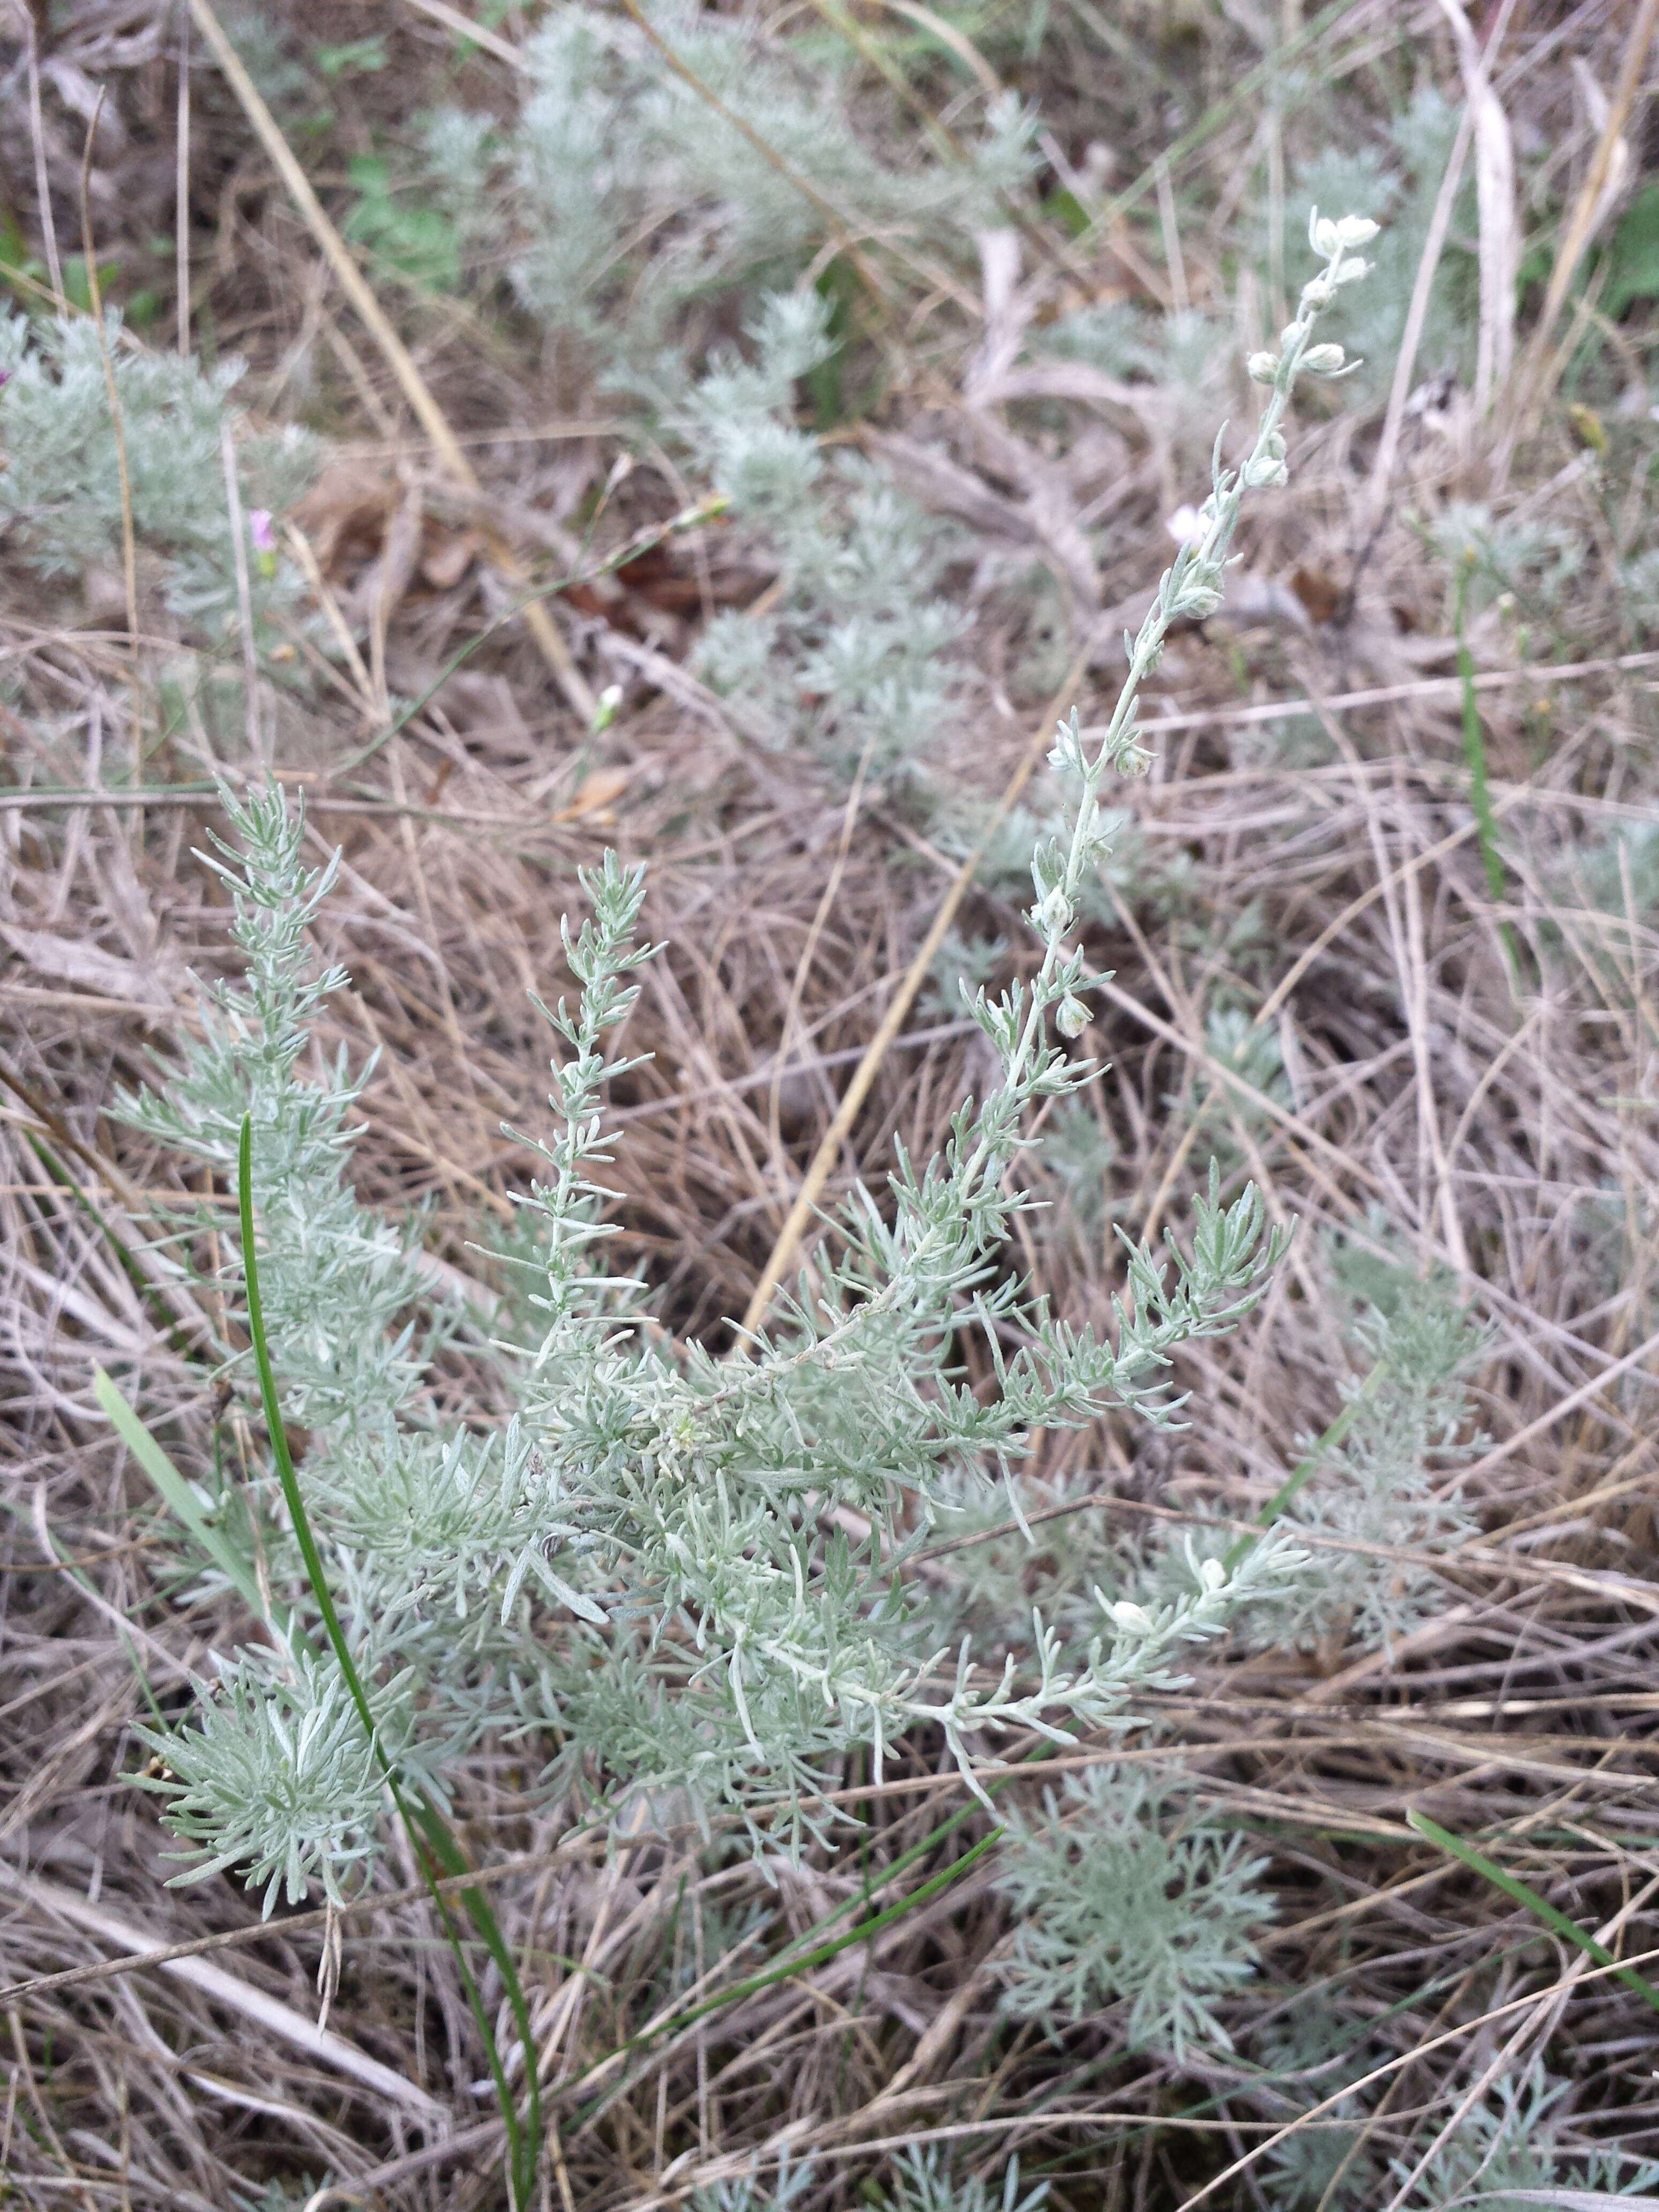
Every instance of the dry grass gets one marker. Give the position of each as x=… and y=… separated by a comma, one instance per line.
x=1499, y=1114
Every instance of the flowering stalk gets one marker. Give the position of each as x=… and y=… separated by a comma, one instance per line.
x=1193, y=588
x=923, y=1278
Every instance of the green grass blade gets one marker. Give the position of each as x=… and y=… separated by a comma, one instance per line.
x=1303, y=1472
x=1475, y=752
x=176, y=1493
x=427, y=1829
x=800, y=1958
x=1477, y=1863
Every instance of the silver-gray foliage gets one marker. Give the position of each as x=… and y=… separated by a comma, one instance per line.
x=674, y=1579
x=1128, y=1893
x=61, y=487
x=614, y=151
x=1382, y=1492
x=852, y=657
x=1508, y=2152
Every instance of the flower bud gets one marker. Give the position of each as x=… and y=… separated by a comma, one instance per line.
x=1073, y=1017
x=1323, y=360
x=1127, y=1614
x=1318, y=291
x=1197, y=601
x=605, y=709
x=1053, y=914
x=1351, y=271
x=262, y=536
x=1263, y=368
x=1266, y=472
x=1330, y=236
x=1212, y=1574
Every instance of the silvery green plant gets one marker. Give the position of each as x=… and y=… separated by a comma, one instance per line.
x=921, y=2181
x=341, y=1284
x=677, y=1580
x=751, y=2192
x=851, y=660
x=614, y=150
x=1125, y=1893
x=61, y=468
x=1385, y=1481
x=1509, y=2152
x=1310, y=2052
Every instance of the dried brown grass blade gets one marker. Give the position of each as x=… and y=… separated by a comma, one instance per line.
x=823, y=1159
x=255, y=2006
x=357, y=288
x=1494, y=177
x=1537, y=373
x=118, y=421
x=490, y=42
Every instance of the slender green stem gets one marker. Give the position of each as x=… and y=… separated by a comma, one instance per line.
x=1305, y=1469
x=427, y=1830
x=798, y=1960
x=1511, y=1885
x=1474, y=751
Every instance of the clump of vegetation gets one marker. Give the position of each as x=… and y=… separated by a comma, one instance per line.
x=1128, y=1893
x=637, y=1579
x=1016, y=1719
x=78, y=473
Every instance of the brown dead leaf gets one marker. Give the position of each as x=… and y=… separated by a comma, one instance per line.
x=662, y=579
x=72, y=960
x=599, y=788
x=400, y=553
x=1319, y=593
x=447, y=554
x=345, y=512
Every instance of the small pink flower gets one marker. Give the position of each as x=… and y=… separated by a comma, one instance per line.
x=261, y=535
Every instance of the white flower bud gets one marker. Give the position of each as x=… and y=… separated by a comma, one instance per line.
x=1053, y=914
x=1073, y=1017
x=1197, y=601
x=1329, y=236
x=1323, y=360
x=1318, y=291
x=1263, y=368
x=1265, y=473
x=604, y=709
x=1212, y=1574
x=1129, y=1615
x=1185, y=525
x=1350, y=271
x=1288, y=335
